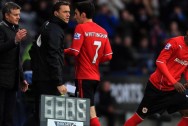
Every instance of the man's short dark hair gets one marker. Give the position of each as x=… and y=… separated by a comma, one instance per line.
x=57, y=5
x=86, y=7
x=8, y=7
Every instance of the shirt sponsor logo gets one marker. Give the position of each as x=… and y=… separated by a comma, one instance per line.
x=182, y=62
x=77, y=35
x=167, y=47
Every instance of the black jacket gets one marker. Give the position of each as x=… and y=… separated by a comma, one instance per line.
x=10, y=66
x=51, y=56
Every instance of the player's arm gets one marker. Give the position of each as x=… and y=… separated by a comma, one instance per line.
x=164, y=70
x=163, y=58
x=107, y=52
x=161, y=65
x=76, y=45
x=71, y=52
x=106, y=57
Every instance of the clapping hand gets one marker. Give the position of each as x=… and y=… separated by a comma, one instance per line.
x=20, y=35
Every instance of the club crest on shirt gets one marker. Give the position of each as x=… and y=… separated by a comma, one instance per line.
x=144, y=110
x=77, y=35
x=168, y=45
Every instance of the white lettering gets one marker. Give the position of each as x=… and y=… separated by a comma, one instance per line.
x=95, y=34
x=127, y=93
x=182, y=62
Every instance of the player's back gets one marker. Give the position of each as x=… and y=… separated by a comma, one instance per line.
x=95, y=39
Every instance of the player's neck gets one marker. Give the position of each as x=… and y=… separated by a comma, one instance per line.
x=87, y=20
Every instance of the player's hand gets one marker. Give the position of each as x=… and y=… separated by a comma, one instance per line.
x=62, y=89
x=186, y=85
x=179, y=87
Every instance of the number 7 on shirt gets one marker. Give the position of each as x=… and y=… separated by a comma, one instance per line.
x=98, y=44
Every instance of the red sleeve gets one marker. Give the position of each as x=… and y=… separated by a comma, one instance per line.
x=106, y=58
x=78, y=39
x=107, y=52
x=71, y=52
x=165, y=54
x=164, y=70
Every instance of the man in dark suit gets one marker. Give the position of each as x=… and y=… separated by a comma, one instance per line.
x=47, y=65
x=11, y=74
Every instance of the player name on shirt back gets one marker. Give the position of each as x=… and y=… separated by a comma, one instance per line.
x=95, y=34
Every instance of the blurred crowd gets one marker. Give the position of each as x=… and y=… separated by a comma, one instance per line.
x=137, y=30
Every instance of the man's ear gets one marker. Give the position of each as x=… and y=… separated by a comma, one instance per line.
x=83, y=15
x=6, y=15
x=55, y=13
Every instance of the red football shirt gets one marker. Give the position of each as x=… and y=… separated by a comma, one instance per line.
x=171, y=63
x=90, y=46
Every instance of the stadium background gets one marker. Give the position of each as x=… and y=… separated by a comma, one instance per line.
x=137, y=30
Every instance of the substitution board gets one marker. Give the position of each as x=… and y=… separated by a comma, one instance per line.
x=64, y=111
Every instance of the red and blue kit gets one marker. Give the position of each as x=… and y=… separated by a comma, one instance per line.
x=90, y=47
x=171, y=63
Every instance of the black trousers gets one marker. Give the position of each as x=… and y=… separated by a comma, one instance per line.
x=46, y=88
x=7, y=106
x=157, y=101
